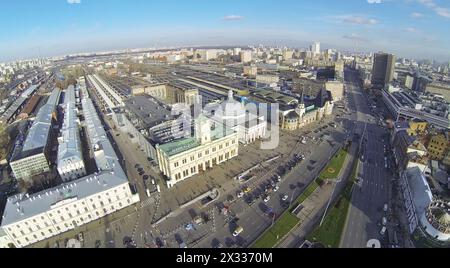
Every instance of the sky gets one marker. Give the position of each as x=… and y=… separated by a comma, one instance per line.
x=408, y=28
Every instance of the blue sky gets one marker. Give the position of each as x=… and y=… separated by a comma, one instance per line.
x=410, y=28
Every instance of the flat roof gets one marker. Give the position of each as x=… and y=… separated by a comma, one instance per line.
x=147, y=109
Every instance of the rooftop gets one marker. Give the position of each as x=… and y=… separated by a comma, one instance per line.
x=109, y=175
x=218, y=131
x=39, y=131
x=70, y=148
x=148, y=110
x=420, y=190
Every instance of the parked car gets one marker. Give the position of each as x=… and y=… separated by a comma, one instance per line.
x=240, y=194
x=285, y=197
x=267, y=199
x=276, y=188
x=238, y=231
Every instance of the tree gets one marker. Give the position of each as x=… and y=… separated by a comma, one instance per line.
x=4, y=141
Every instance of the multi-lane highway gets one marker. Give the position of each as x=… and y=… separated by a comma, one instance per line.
x=366, y=211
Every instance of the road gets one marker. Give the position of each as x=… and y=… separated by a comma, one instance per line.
x=253, y=218
x=370, y=195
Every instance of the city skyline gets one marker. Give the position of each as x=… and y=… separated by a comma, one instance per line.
x=408, y=28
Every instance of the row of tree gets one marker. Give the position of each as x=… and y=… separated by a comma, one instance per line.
x=4, y=141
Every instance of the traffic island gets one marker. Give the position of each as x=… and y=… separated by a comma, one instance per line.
x=288, y=220
x=334, y=167
x=279, y=230
x=332, y=228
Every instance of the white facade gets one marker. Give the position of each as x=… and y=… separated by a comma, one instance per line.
x=30, y=219
x=109, y=96
x=436, y=221
x=233, y=114
x=187, y=157
x=29, y=166
x=416, y=194
x=66, y=214
x=315, y=48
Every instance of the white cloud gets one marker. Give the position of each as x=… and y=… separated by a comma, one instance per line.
x=74, y=1
x=374, y=1
x=354, y=37
x=358, y=20
x=233, y=17
x=441, y=11
x=411, y=30
x=417, y=15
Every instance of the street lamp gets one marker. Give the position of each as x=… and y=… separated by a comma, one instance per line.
x=329, y=201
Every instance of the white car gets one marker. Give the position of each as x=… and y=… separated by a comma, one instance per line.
x=240, y=194
x=285, y=197
x=276, y=188
x=238, y=231
x=267, y=199
x=385, y=208
x=383, y=230
x=384, y=221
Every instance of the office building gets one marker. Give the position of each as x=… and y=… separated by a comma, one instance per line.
x=383, y=69
x=31, y=157
x=245, y=56
x=409, y=81
x=315, y=49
